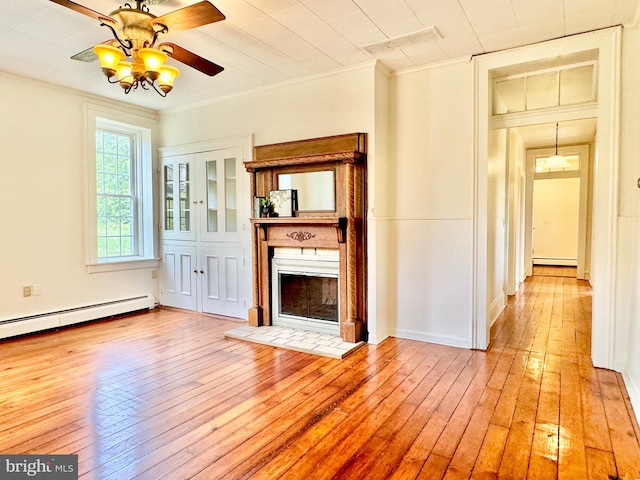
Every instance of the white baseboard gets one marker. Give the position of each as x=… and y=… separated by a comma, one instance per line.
x=496, y=308
x=556, y=261
x=633, y=389
x=46, y=321
x=431, y=338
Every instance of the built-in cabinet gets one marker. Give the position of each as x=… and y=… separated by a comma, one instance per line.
x=205, y=228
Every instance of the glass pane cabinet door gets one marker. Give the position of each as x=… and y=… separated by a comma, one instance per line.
x=212, y=195
x=217, y=179
x=230, y=200
x=168, y=196
x=177, y=192
x=185, y=207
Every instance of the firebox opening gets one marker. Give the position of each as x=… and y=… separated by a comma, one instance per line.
x=311, y=297
x=305, y=289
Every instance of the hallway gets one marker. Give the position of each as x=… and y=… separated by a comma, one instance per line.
x=581, y=417
x=165, y=395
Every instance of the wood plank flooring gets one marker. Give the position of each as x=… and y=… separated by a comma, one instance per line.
x=554, y=271
x=163, y=395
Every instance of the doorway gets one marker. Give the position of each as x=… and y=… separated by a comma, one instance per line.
x=558, y=198
x=604, y=47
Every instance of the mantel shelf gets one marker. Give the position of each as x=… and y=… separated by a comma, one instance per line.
x=299, y=220
x=340, y=224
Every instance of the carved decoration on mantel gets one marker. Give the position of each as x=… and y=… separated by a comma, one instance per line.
x=340, y=225
x=300, y=236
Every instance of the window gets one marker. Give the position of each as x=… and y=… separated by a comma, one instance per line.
x=562, y=86
x=120, y=179
x=116, y=195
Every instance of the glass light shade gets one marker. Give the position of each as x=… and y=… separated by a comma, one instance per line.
x=153, y=60
x=556, y=161
x=124, y=74
x=109, y=58
x=167, y=74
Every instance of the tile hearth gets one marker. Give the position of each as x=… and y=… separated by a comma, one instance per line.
x=300, y=340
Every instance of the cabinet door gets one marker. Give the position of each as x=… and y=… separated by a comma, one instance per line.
x=224, y=285
x=220, y=195
x=178, y=276
x=178, y=198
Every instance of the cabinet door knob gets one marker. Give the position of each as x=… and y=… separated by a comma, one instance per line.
x=201, y=271
x=195, y=271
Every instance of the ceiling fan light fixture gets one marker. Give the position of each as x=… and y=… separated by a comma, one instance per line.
x=168, y=74
x=136, y=33
x=153, y=60
x=125, y=79
x=109, y=58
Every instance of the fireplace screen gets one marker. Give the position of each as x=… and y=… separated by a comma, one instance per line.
x=311, y=297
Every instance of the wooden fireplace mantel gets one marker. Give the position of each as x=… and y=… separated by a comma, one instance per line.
x=342, y=229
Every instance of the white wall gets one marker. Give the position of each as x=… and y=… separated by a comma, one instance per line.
x=342, y=102
x=42, y=198
x=516, y=181
x=627, y=335
x=429, y=211
x=381, y=300
x=496, y=222
x=556, y=210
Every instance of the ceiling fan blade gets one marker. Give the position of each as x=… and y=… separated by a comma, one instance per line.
x=195, y=61
x=79, y=8
x=193, y=16
x=89, y=55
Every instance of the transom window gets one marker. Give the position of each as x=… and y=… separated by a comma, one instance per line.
x=557, y=87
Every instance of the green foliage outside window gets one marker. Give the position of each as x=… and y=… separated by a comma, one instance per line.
x=116, y=201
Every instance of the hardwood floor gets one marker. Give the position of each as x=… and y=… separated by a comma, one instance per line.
x=165, y=395
x=554, y=271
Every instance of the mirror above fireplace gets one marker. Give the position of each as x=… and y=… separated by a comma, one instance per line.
x=316, y=190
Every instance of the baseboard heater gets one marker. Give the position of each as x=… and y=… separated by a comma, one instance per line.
x=555, y=261
x=46, y=321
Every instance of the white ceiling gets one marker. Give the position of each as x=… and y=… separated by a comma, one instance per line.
x=569, y=133
x=265, y=42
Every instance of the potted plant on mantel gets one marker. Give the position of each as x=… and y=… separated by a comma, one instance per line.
x=266, y=206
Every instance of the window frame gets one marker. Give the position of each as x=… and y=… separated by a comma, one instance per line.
x=144, y=132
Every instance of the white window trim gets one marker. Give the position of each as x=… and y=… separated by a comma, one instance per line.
x=146, y=132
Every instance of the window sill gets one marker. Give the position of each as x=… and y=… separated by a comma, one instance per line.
x=118, y=265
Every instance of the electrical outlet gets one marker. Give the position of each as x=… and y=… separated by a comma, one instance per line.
x=154, y=273
x=26, y=291
x=35, y=290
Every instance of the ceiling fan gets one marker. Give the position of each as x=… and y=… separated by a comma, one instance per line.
x=136, y=33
